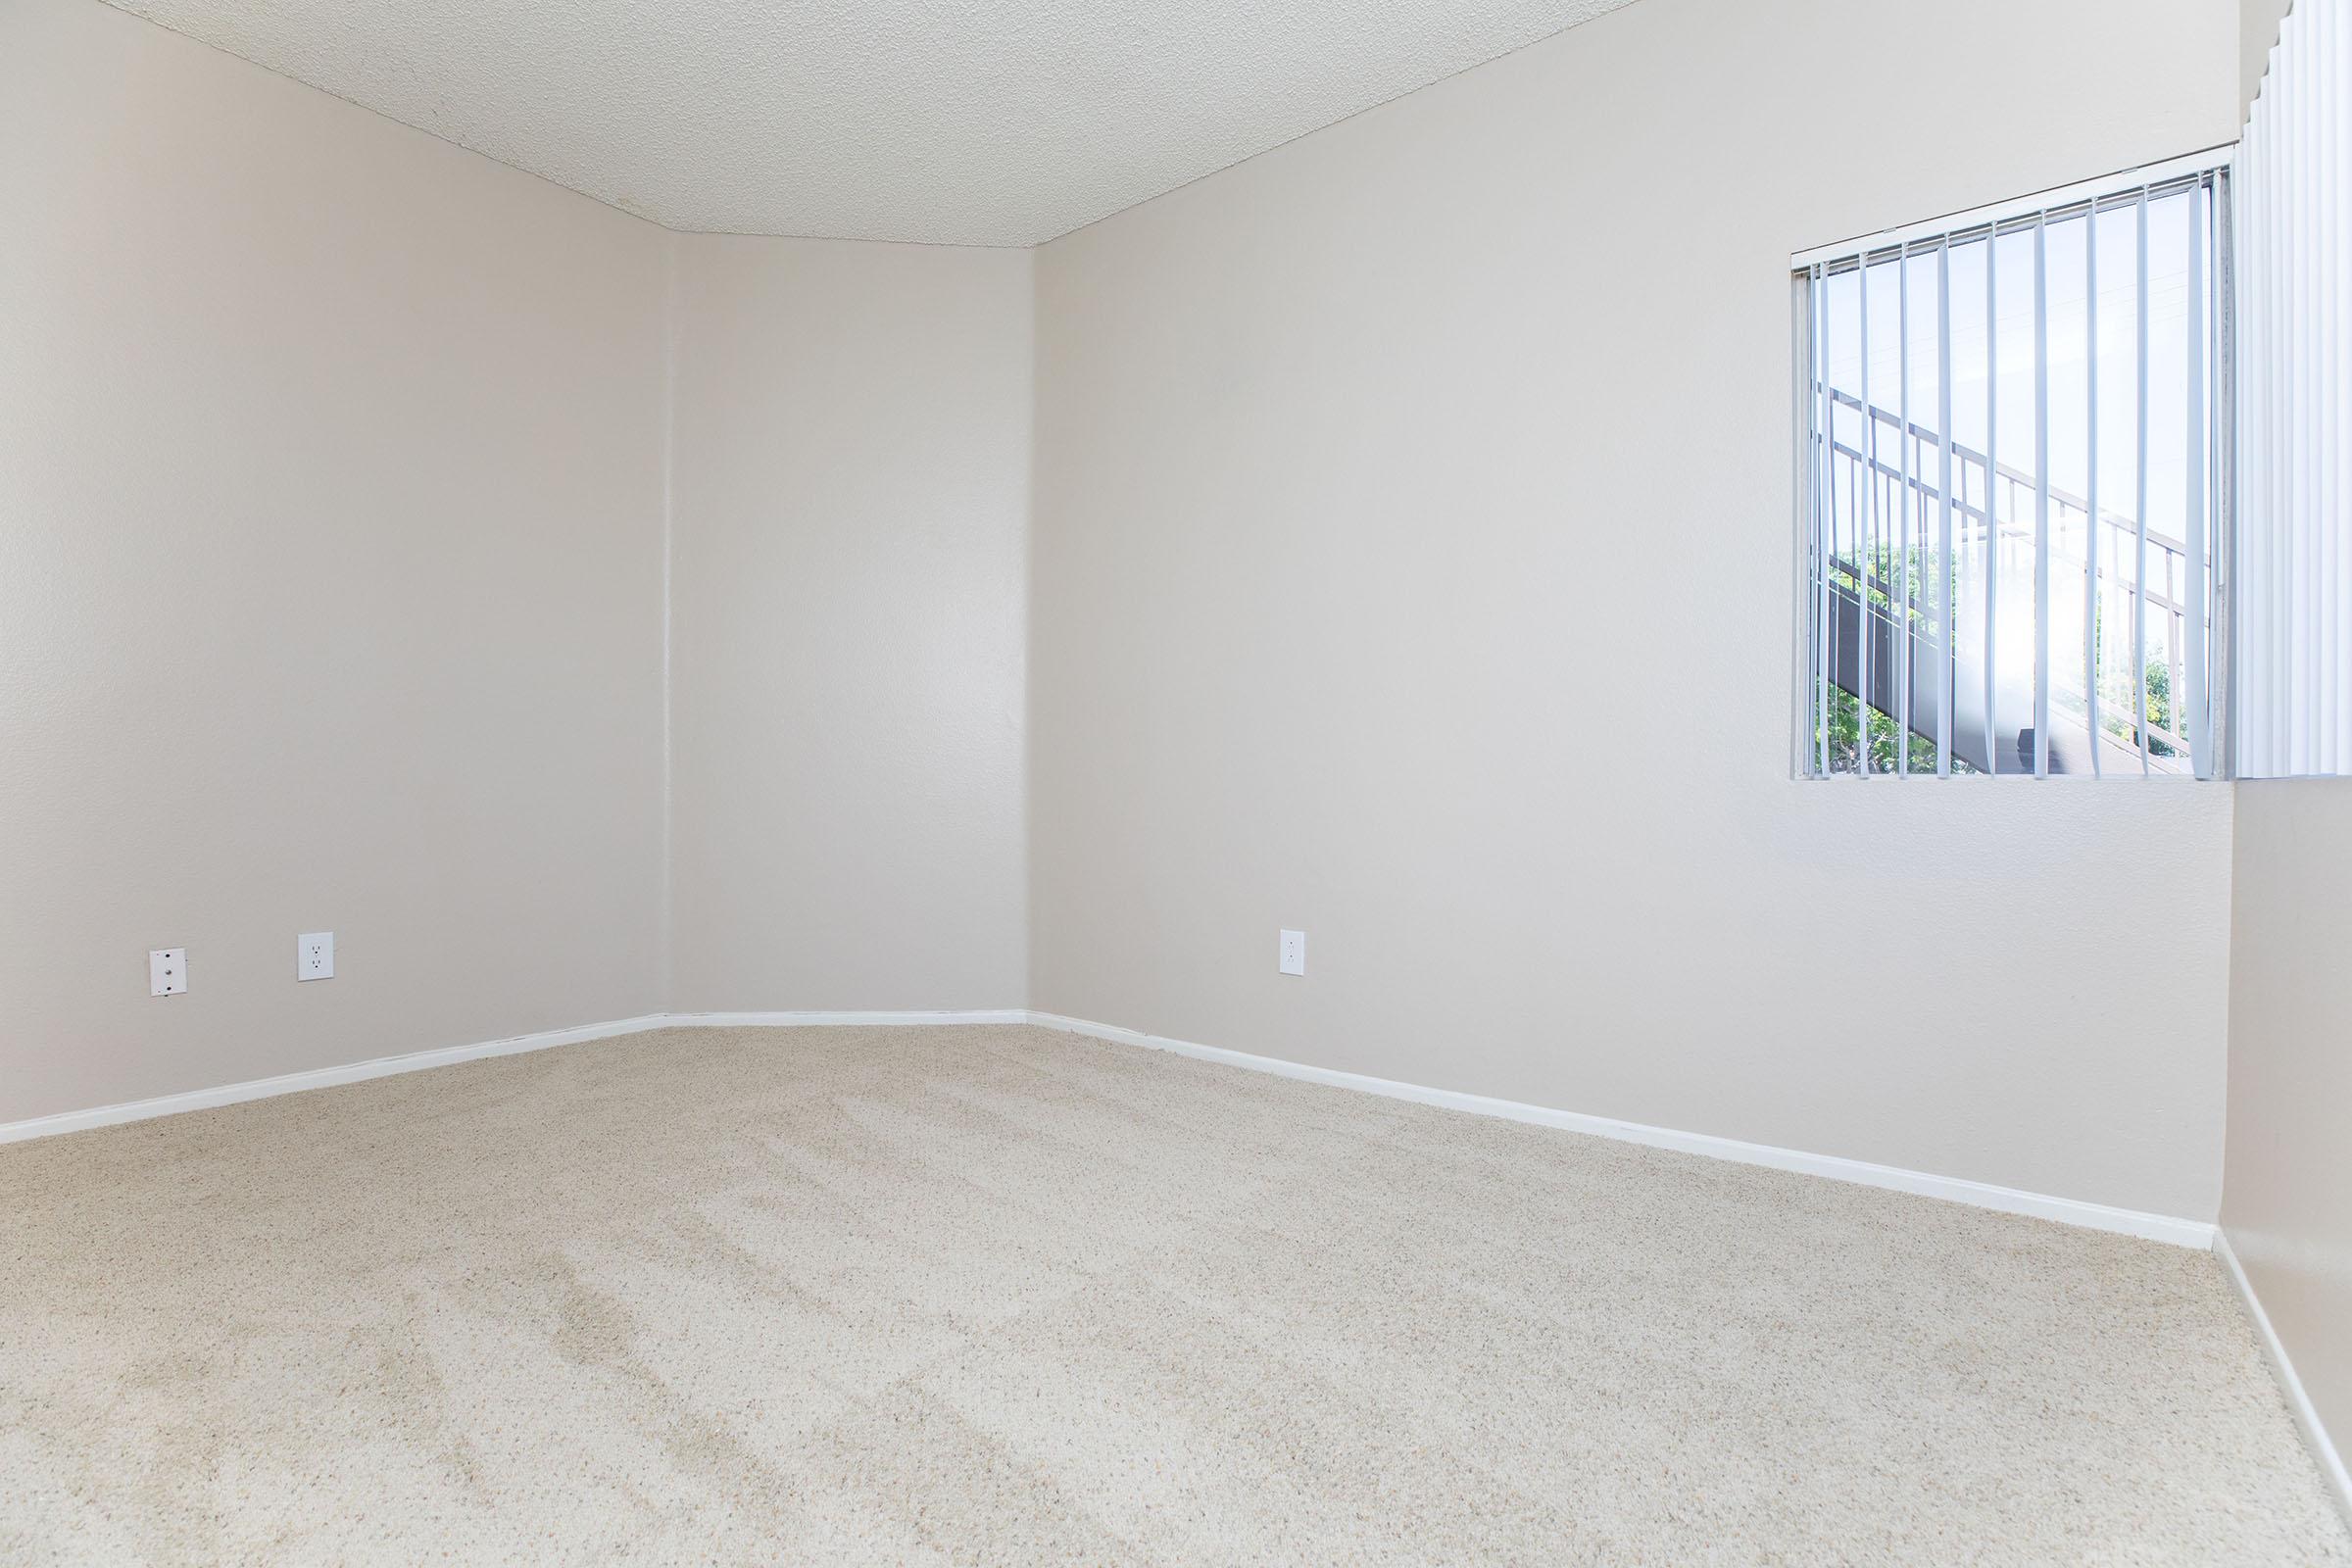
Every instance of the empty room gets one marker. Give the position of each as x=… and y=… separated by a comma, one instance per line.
x=1028, y=782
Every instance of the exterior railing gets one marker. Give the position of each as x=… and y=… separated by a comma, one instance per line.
x=2113, y=664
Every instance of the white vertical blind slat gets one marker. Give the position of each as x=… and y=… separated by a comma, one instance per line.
x=1993, y=504
x=2334, y=415
x=2139, y=502
x=2042, y=500
x=1947, y=608
x=1826, y=499
x=2090, y=527
x=1902, y=490
x=1866, y=525
x=2293, y=692
x=2191, y=719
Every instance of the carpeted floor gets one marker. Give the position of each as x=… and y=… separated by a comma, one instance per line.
x=1001, y=1295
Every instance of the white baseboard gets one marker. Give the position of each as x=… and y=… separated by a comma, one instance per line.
x=2307, y=1416
x=2066, y=1211
x=1982, y=1194
x=294, y=1083
x=804, y=1020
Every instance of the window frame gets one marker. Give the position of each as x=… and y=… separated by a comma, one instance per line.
x=2213, y=168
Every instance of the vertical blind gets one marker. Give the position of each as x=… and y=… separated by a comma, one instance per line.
x=2294, y=283
x=2016, y=487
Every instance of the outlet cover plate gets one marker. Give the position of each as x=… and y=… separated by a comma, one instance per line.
x=167, y=971
x=314, y=956
x=1294, y=953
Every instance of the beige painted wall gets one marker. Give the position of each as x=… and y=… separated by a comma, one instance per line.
x=1344, y=491
x=2287, y=1192
x=2287, y=1202
x=330, y=578
x=2258, y=30
x=303, y=402
x=851, y=469
x=1380, y=590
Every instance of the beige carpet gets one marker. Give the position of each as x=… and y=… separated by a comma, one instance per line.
x=1001, y=1295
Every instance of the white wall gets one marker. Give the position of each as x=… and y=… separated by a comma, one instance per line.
x=2287, y=1203
x=343, y=478
x=2287, y=1196
x=2258, y=30
x=1379, y=589
x=330, y=587
x=1363, y=600
x=851, y=467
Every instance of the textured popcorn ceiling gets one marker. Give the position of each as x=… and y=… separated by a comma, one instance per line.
x=972, y=122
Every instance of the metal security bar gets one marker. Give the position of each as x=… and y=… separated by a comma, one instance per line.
x=2012, y=570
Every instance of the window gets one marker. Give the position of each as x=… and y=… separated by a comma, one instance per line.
x=2015, y=488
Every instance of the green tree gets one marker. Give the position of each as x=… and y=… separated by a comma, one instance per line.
x=1844, y=720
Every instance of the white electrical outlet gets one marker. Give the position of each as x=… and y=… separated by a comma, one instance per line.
x=167, y=971
x=314, y=956
x=1294, y=953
